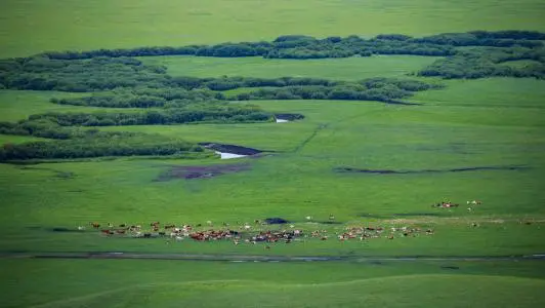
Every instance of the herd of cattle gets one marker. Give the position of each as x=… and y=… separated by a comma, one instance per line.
x=253, y=234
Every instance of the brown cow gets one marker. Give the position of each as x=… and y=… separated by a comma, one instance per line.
x=95, y=225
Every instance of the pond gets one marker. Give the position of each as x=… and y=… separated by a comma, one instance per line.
x=224, y=155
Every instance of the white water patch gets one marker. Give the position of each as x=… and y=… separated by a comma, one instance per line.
x=281, y=121
x=224, y=155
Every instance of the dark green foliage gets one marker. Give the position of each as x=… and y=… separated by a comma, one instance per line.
x=144, y=98
x=480, y=63
x=44, y=129
x=98, y=144
x=375, y=89
x=201, y=113
x=41, y=73
x=307, y=47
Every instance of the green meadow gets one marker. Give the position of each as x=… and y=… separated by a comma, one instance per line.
x=343, y=69
x=32, y=26
x=481, y=139
x=224, y=284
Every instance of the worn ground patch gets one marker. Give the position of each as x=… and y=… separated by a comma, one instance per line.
x=201, y=172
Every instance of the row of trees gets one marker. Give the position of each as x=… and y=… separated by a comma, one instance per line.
x=304, y=47
x=381, y=89
x=99, y=144
x=155, y=117
x=480, y=63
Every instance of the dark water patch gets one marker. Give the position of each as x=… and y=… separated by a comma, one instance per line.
x=450, y=267
x=464, y=169
x=201, y=172
x=63, y=229
x=230, y=148
x=276, y=221
x=289, y=116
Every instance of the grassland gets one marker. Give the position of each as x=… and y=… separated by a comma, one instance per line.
x=172, y=284
x=19, y=105
x=344, y=69
x=32, y=26
x=301, y=181
x=496, y=122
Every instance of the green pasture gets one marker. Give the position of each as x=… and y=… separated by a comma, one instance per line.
x=19, y=105
x=32, y=26
x=488, y=123
x=87, y=283
x=301, y=180
x=355, y=68
x=11, y=139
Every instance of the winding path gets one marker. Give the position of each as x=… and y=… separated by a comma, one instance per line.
x=250, y=258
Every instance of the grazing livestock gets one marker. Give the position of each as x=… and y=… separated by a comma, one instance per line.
x=95, y=225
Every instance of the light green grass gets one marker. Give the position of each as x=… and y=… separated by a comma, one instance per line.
x=32, y=26
x=355, y=68
x=19, y=105
x=95, y=282
x=5, y=139
x=301, y=181
x=491, y=92
x=412, y=291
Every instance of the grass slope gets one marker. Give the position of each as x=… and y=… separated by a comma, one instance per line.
x=412, y=291
x=32, y=26
x=91, y=282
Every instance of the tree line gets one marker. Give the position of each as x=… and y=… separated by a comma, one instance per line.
x=307, y=47
x=374, y=89
x=99, y=144
x=489, y=62
x=155, y=117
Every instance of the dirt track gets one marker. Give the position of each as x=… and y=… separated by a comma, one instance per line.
x=246, y=258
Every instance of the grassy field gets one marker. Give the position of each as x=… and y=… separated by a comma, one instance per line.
x=19, y=105
x=174, y=284
x=32, y=26
x=301, y=181
x=347, y=68
x=489, y=123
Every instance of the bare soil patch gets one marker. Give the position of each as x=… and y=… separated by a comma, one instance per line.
x=201, y=172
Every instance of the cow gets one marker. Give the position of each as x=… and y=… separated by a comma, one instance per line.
x=95, y=225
